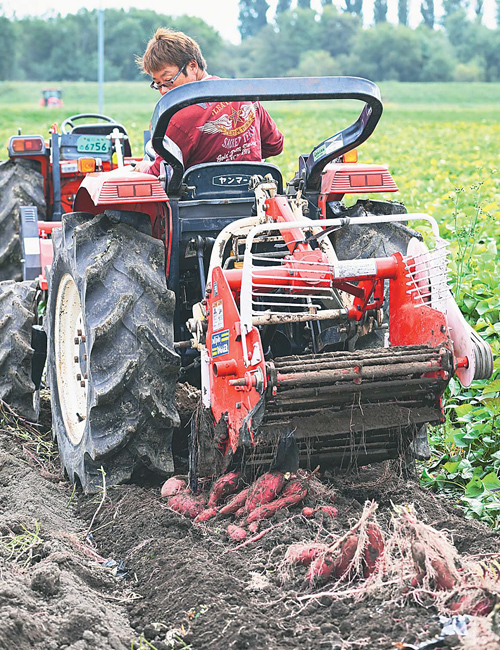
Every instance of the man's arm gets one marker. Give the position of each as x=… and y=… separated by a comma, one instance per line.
x=271, y=137
x=147, y=167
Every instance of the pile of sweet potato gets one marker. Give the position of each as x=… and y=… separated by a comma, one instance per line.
x=349, y=557
x=417, y=560
x=247, y=505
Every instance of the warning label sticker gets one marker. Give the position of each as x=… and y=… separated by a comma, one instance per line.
x=218, y=316
x=220, y=343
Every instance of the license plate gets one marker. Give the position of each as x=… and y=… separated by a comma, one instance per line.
x=92, y=144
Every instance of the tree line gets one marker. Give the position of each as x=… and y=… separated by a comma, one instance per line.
x=296, y=41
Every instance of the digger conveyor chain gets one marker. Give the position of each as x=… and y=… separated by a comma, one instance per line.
x=364, y=405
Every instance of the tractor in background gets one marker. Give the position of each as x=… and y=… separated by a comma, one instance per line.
x=51, y=98
x=319, y=331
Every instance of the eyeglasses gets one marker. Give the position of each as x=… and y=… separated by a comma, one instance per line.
x=170, y=83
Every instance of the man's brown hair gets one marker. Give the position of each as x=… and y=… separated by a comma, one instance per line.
x=168, y=47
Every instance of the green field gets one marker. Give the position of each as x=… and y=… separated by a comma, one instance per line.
x=442, y=145
x=434, y=137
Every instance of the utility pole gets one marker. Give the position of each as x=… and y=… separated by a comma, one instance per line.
x=100, y=57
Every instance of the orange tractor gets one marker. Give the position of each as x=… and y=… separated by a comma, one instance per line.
x=51, y=98
x=43, y=177
x=318, y=330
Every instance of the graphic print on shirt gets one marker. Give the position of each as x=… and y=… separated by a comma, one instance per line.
x=232, y=125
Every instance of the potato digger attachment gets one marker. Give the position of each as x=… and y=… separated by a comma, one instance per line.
x=317, y=331
x=340, y=403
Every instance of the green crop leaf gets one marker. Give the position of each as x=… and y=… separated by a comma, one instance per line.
x=452, y=467
x=470, y=303
x=476, y=505
x=462, y=409
x=491, y=482
x=474, y=487
x=492, y=387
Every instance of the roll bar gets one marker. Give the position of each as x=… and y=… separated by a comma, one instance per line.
x=272, y=89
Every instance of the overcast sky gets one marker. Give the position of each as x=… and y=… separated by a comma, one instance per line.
x=221, y=14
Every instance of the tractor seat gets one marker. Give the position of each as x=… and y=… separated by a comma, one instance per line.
x=228, y=180
x=216, y=194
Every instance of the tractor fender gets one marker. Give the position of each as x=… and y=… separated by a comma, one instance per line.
x=121, y=188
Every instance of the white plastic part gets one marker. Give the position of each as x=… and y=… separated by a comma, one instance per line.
x=205, y=378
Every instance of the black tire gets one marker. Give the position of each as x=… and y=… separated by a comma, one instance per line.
x=377, y=240
x=124, y=416
x=20, y=184
x=17, y=315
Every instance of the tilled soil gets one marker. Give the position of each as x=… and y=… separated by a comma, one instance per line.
x=120, y=570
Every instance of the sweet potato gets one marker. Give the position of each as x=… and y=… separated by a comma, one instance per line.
x=241, y=512
x=328, y=510
x=345, y=556
x=444, y=578
x=418, y=554
x=321, y=569
x=331, y=511
x=457, y=604
x=264, y=512
x=236, y=533
x=294, y=489
x=482, y=607
x=254, y=527
x=417, y=580
x=269, y=509
x=475, y=603
x=304, y=554
x=206, y=514
x=223, y=486
x=373, y=550
x=187, y=504
x=235, y=503
x=172, y=486
x=265, y=489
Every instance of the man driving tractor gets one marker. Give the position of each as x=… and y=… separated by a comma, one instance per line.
x=208, y=132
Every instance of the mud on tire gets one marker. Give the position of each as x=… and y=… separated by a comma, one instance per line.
x=20, y=184
x=111, y=363
x=17, y=315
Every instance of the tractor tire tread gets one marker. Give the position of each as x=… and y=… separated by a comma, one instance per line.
x=17, y=315
x=20, y=184
x=131, y=390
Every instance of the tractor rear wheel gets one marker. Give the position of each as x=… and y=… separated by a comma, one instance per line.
x=20, y=184
x=375, y=240
x=111, y=363
x=17, y=315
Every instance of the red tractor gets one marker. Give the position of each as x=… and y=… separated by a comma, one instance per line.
x=51, y=98
x=318, y=331
x=44, y=177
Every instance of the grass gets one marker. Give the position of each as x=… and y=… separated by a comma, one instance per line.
x=36, y=440
x=21, y=547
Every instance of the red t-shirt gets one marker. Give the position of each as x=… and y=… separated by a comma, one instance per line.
x=223, y=131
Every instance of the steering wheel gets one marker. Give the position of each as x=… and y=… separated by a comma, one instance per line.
x=69, y=123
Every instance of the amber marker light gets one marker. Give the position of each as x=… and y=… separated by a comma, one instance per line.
x=350, y=156
x=86, y=165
